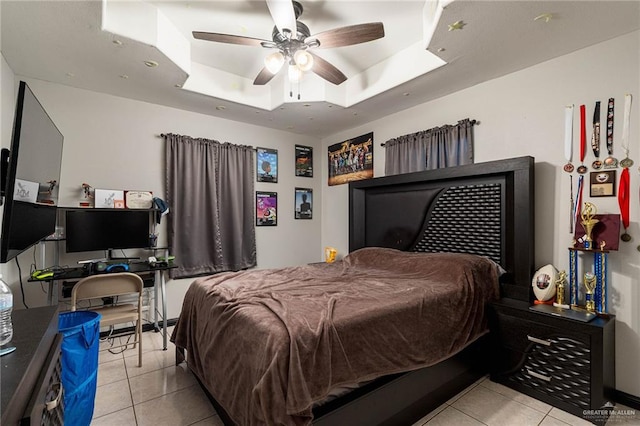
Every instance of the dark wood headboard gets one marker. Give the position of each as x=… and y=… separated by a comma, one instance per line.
x=485, y=209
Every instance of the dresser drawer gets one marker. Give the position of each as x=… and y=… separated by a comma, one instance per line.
x=46, y=406
x=522, y=335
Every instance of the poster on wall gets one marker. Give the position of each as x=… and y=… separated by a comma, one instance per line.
x=267, y=165
x=351, y=160
x=304, y=161
x=304, y=203
x=266, y=208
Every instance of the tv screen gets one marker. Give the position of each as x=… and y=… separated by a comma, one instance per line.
x=97, y=229
x=30, y=177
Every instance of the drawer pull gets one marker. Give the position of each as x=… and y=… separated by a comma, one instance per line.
x=51, y=405
x=539, y=376
x=540, y=341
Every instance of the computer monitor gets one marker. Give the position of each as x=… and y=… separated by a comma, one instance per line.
x=106, y=229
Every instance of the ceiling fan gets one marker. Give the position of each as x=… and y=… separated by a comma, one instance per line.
x=293, y=41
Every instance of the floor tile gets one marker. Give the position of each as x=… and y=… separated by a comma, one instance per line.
x=123, y=417
x=112, y=371
x=209, y=421
x=461, y=393
x=517, y=396
x=183, y=407
x=492, y=408
x=624, y=416
x=160, y=382
x=431, y=415
x=151, y=361
x=104, y=355
x=111, y=398
x=552, y=421
x=452, y=417
x=568, y=417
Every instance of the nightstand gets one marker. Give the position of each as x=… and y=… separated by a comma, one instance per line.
x=566, y=363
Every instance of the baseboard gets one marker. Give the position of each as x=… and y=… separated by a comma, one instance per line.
x=627, y=399
x=145, y=327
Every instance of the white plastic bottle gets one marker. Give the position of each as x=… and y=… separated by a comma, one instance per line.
x=6, y=305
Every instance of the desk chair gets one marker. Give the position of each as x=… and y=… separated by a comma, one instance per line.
x=113, y=285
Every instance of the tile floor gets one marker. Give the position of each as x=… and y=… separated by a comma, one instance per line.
x=160, y=393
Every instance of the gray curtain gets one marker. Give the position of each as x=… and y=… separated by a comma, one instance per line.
x=211, y=211
x=450, y=145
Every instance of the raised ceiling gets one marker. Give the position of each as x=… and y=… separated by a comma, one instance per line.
x=102, y=46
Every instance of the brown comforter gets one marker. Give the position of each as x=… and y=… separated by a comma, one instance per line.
x=267, y=344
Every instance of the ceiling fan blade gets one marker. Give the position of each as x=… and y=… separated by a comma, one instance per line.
x=349, y=35
x=327, y=71
x=228, y=38
x=263, y=77
x=283, y=15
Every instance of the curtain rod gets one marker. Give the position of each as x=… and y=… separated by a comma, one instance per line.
x=162, y=135
x=473, y=123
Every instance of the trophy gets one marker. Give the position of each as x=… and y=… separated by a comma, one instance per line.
x=590, y=285
x=561, y=281
x=588, y=222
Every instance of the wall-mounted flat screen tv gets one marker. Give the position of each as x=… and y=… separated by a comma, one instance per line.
x=30, y=177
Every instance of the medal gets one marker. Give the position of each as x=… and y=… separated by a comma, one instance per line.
x=595, y=137
x=626, y=161
x=568, y=137
x=610, y=162
x=582, y=169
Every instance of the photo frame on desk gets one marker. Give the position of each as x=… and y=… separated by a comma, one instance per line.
x=109, y=198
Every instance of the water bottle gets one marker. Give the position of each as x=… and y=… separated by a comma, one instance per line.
x=6, y=305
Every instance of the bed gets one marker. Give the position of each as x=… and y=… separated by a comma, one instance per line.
x=399, y=321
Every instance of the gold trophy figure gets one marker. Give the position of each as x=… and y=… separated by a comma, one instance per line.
x=590, y=286
x=561, y=281
x=588, y=222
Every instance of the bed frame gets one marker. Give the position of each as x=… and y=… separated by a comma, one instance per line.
x=484, y=209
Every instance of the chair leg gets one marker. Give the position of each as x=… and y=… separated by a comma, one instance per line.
x=139, y=333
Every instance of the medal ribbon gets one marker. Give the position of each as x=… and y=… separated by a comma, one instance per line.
x=610, y=126
x=625, y=124
x=595, y=138
x=583, y=132
x=577, y=208
x=568, y=132
x=623, y=197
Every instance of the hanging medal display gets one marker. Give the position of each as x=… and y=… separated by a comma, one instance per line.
x=576, y=206
x=595, y=137
x=610, y=162
x=626, y=162
x=623, y=202
x=568, y=137
x=624, y=192
x=582, y=169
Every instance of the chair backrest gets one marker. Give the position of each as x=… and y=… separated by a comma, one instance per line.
x=106, y=285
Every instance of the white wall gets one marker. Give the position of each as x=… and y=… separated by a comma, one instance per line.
x=114, y=143
x=523, y=114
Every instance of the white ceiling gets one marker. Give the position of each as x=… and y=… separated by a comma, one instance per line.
x=63, y=42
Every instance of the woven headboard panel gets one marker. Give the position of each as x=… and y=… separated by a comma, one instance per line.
x=465, y=219
x=484, y=209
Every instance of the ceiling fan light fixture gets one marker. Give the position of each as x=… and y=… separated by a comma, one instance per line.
x=274, y=62
x=303, y=60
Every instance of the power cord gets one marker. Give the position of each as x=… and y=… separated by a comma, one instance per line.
x=24, y=301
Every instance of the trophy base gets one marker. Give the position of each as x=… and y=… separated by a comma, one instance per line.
x=559, y=305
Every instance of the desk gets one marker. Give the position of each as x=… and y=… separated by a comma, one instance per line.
x=140, y=268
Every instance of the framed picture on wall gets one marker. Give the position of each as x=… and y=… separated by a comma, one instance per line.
x=603, y=183
x=266, y=208
x=303, y=203
x=304, y=161
x=351, y=160
x=267, y=165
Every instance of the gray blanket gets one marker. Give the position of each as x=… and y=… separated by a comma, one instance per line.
x=268, y=344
